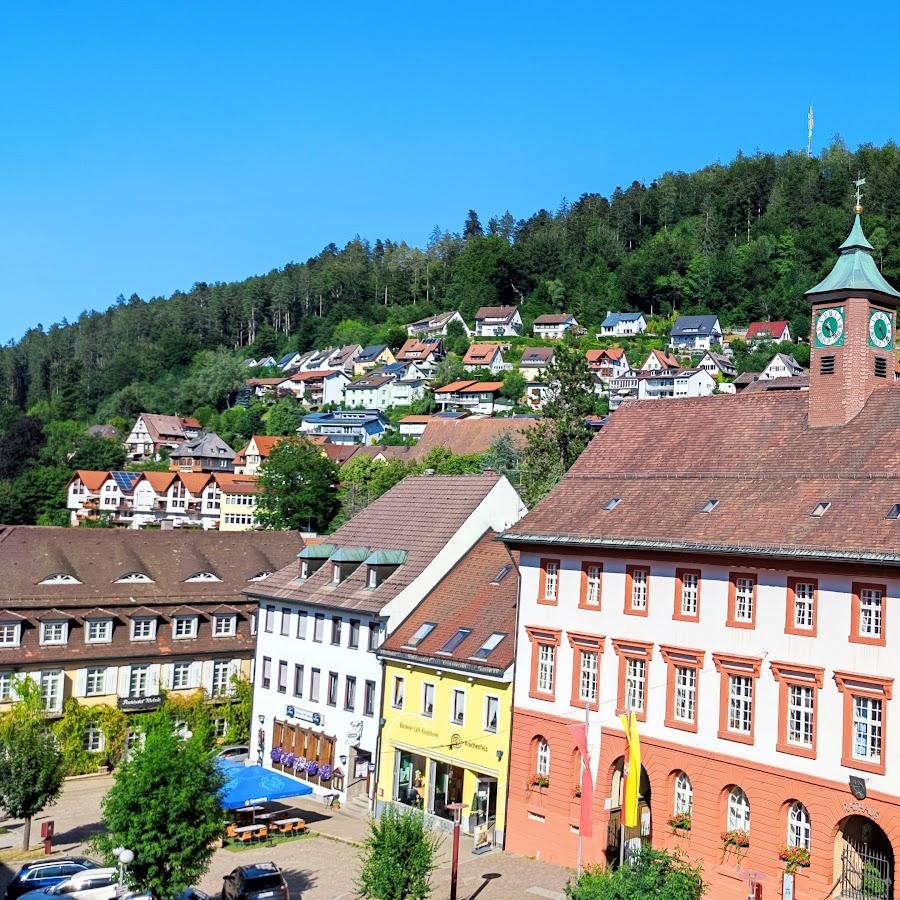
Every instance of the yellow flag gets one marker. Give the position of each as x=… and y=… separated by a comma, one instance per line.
x=632, y=771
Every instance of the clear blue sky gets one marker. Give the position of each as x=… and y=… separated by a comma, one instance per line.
x=144, y=147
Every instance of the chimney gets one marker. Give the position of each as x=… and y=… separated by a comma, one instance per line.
x=854, y=312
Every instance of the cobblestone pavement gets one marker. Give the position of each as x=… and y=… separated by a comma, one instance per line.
x=322, y=866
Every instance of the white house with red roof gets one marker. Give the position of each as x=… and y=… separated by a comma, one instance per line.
x=479, y=397
x=769, y=331
x=484, y=358
x=498, y=321
x=553, y=326
x=318, y=387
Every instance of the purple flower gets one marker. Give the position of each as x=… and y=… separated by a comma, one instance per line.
x=325, y=772
x=276, y=754
x=288, y=760
x=312, y=768
x=300, y=764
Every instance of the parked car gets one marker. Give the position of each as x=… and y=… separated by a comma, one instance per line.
x=255, y=882
x=89, y=884
x=45, y=873
x=235, y=752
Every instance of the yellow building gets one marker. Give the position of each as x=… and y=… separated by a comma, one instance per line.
x=448, y=697
x=370, y=358
x=237, y=510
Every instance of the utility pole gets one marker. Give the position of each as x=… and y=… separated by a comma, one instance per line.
x=810, y=121
x=454, y=863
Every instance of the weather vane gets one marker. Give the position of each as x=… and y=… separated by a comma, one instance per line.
x=859, y=182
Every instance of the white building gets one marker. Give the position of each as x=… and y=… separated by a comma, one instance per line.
x=479, y=397
x=695, y=333
x=318, y=680
x=782, y=365
x=498, y=321
x=553, y=326
x=717, y=364
x=436, y=326
x=622, y=324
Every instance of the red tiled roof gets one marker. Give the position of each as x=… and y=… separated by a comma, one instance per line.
x=481, y=387
x=480, y=353
x=316, y=375
x=237, y=484
x=159, y=481
x=415, y=350
x=91, y=479
x=666, y=360
x=773, y=329
x=467, y=598
x=415, y=420
x=465, y=436
x=454, y=386
x=195, y=481
x=754, y=454
x=442, y=503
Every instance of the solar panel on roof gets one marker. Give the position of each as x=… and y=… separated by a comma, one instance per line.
x=125, y=480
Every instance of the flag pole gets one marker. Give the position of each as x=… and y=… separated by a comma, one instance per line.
x=626, y=765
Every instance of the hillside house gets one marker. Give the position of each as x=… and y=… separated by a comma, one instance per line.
x=691, y=334
x=151, y=433
x=346, y=426
x=759, y=332
x=498, y=321
x=371, y=357
x=553, y=326
x=372, y=391
x=782, y=365
x=436, y=326
x=248, y=460
x=534, y=362
x=484, y=358
x=717, y=364
x=425, y=354
x=622, y=324
x=472, y=396
x=316, y=388
x=608, y=363
x=659, y=360
x=204, y=453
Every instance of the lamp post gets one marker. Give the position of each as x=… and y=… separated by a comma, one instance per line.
x=454, y=865
x=125, y=858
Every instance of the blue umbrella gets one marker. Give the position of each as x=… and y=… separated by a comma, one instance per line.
x=249, y=785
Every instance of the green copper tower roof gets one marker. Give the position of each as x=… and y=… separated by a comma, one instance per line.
x=855, y=270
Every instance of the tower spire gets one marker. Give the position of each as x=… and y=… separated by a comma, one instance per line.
x=859, y=182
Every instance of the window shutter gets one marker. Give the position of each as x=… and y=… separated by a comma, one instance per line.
x=196, y=674
x=124, y=680
x=80, y=689
x=234, y=671
x=153, y=679
x=167, y=676
x=208, y=676
x=112, y=679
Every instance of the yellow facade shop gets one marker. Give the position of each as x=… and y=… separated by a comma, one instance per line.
x=445, y=741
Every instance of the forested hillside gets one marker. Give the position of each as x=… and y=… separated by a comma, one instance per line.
x=743, y=240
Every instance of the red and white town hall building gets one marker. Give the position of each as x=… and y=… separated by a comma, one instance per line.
x=728, y=567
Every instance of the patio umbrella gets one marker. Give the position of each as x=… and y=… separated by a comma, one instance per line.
x=249, y=785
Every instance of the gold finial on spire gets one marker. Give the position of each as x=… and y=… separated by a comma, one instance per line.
x=859, y=182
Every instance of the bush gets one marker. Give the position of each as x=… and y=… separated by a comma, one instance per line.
x=651, y=875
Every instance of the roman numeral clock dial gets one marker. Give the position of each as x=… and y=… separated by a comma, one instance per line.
x=881, y=335
x=830, y=326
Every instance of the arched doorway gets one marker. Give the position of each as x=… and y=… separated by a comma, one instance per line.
x=863, y=861
x=634, y=837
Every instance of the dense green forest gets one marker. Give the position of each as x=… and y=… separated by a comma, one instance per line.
x=743, y=240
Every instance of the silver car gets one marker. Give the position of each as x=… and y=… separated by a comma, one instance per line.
x=92, y=884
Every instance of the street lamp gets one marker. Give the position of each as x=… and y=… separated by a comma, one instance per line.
x=125, y=858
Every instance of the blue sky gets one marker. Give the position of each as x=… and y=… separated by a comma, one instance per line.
x=148, y=146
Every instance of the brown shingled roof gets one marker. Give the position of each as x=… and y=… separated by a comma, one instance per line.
x=466, y=597
x=479, y=354
x=462, y=436
x=754, y=454
x=418, y=515
x=495, y=312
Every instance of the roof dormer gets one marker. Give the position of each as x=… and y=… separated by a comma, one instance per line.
x=346, y=560
x=381, y=564
x=59, y=578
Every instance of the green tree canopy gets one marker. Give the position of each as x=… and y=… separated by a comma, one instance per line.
x=398, y=858
x=284, y=417
x=31, y=762
x=299, y=488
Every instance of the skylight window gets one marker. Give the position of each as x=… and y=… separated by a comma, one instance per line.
x=710, y=505
x=421, y=633
x=894, y=512
x=612, y=504
x=60, y=578
x=134, y=578
x=821, y=509
x=456, y=640
x=260, y=576
x=502, y=574
x=485, y=650
x=203, y=576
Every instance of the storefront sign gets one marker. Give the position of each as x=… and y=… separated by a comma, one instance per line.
x=418, y=729
x=304, y=715
x=132, y=704
x=456, y=742
x=862, y=809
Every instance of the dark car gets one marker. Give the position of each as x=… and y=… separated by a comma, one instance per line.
x=46, y=872
x=262, y=881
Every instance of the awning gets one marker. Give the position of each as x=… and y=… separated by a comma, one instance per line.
x=246, y=785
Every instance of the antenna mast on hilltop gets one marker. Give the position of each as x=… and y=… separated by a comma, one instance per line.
x=810, y=121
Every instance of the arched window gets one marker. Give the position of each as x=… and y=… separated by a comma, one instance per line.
x=738, y=810
x=799, y=831
x=60, y=578
x=134, y=578
x=684, y=794
x=542, y=766
x=203, y=576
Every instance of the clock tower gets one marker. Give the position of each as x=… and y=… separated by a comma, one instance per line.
x=854, y=313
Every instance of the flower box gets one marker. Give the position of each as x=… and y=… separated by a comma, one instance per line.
x=738, y=839
x=540, y=781
x=680, y=822
x=794, y=858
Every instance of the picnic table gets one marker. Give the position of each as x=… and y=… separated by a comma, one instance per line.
x=292, y=823
x=245, y=828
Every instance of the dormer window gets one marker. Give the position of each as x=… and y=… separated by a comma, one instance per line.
x=10, y=634
x=224, y=626
x=60, y=578
x=135, y=578
x=373, y=577
x=98, y=631
x=184, y=627
x=336, y=573
x=202, y=576
x=304, y=569
x=262, y=576
x=143, y=628
x=56, y=632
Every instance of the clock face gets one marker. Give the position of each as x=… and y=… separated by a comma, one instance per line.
x=830, y=326
x=880, y=331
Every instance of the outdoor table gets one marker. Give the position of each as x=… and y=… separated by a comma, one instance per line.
x=245, y=828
